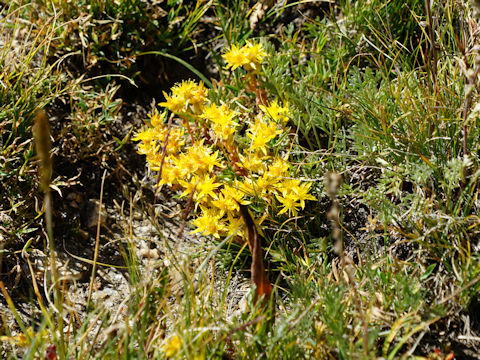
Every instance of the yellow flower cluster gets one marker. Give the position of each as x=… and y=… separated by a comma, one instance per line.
x=222, y=157
x=249, y=56
x=172, y=346
x=186, y=96
x=22, y=339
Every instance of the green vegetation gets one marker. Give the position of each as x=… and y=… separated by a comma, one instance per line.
x=367, y=109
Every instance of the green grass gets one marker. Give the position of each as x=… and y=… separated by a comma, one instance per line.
x=28, y=83
x=368, y=102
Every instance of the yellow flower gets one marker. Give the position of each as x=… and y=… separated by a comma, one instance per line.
x=191, y=92
x=254, y=162
x=276, y=112
x=229, y=198
x=206, y=187
x=235, y=223
x=152, y=140
x=250, y=56
x=175, y=104
x=235, y=194
x=20, y=340
x=293, y=195
x=183, y=161
x=278, y=169
x=264, y=185
x=203, y=156
x=146, y=136
x=222, y=119
x=172, y=345
x=218, y=114
x=289, y=203
x=261, y=133
x=24, y=340
x=235, y=57
x=209, y=223
x=223, y=204
x=175, y=140
x=157, y=119
x=170, y=174
x=184, y=94
x=302, y=193
x=150, y=145
x=202, y=161
x=189, y=186
x=288, y=185
x=255, y=54
x=224, y=132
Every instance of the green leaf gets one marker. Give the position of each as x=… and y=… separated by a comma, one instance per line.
x=427, y=272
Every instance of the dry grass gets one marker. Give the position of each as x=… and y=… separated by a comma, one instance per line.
x=398, y=124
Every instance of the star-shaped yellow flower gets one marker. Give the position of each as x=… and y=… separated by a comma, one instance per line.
x=249, y=56
x=276, y=112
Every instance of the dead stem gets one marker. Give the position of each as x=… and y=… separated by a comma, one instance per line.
x=164, y=149
x=259, y=276
x=97, y=240
x=333, y=182
x=43, y=146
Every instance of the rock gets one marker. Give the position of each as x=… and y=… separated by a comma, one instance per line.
x=93, y=212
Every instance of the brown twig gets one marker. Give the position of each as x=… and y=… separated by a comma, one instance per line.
x=432, y=42
x=333, y=183
x=187, y=210
x=164, y=148
x=232, y=155
x=259, y=276
x=43, y=146
x=261, y=94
